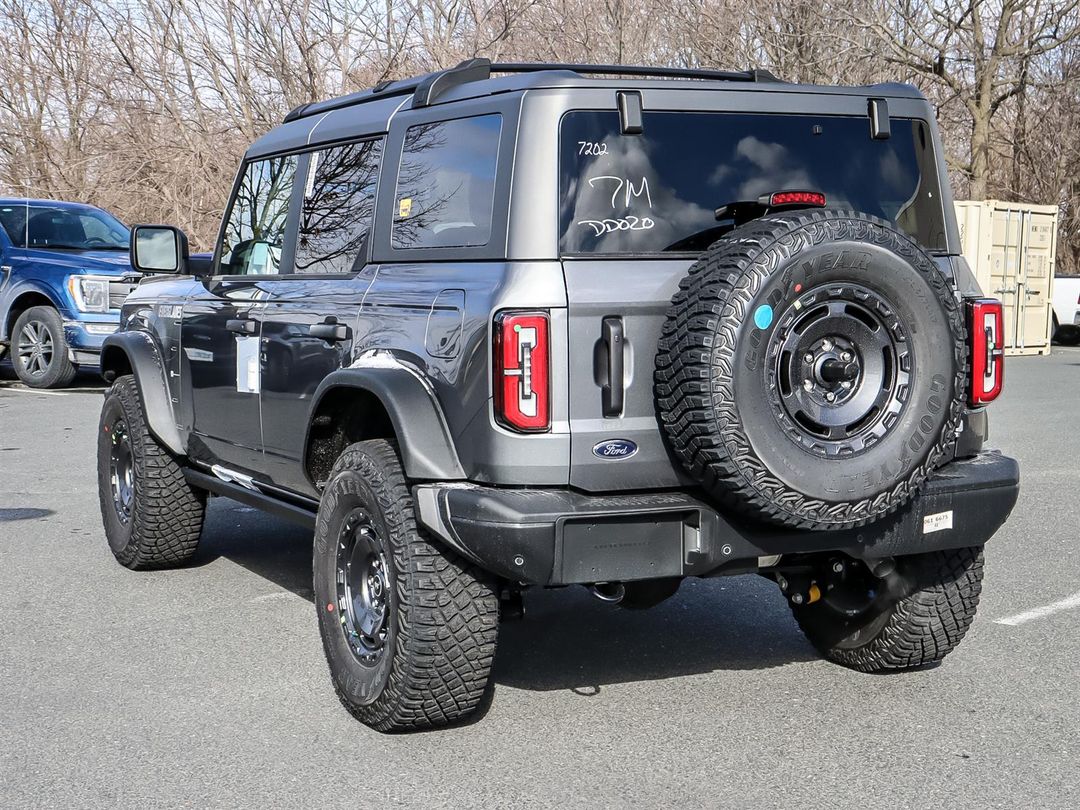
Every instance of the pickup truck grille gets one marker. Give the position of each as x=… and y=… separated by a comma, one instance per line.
x=118, y=291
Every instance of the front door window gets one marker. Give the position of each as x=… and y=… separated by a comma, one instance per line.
x=254, y=235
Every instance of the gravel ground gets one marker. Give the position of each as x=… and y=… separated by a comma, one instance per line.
x=206, y=687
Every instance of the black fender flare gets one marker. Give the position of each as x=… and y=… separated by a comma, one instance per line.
x=144, y=359
x=424, y=438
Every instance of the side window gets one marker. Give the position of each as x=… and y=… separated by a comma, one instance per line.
x=255, y=231
x=339, y=200
x=446, y=183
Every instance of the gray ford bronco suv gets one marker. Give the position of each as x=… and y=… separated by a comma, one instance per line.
x=512, y=326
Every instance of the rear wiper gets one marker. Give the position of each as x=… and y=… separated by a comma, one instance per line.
x=736, y=213
x=699, y=240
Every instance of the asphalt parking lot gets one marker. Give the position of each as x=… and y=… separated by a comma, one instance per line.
x=206, y=687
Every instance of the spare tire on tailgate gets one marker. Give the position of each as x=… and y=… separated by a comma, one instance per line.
x=812, y=369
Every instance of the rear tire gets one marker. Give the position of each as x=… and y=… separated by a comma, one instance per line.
x=408, y=627
x=153, y=517
x=919, y=614
x=39, y=350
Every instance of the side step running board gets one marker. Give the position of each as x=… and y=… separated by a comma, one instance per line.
x=295, y=512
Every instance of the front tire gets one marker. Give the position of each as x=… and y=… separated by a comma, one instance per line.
x=39, y=350
x=912, y=617
x=153, y=517
x=408, y=627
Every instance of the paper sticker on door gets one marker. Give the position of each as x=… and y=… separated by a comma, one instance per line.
x=247, y=365
x=937, y=522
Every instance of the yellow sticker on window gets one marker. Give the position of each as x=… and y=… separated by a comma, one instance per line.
x=404, y=207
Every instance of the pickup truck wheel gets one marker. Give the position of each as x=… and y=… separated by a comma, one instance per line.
x=409, y=628
x=153, y=517
x=812, y=370
x=912, y=617
x=39, y=349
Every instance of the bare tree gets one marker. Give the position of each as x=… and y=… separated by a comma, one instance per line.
x=145, y=106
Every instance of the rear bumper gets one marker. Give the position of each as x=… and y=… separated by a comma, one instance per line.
x=561, y=537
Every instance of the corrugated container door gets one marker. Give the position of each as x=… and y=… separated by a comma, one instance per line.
x=1011, y=250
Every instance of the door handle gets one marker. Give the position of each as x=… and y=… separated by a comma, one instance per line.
x=612, y=392
x=329, y=330
x=242, y=326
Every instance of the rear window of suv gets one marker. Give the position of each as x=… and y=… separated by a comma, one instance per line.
x=658, y=191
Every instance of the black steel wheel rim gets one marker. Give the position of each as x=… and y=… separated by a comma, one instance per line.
x=839, y=370
x=363, y=587
x=35, y=348
x=121, y=471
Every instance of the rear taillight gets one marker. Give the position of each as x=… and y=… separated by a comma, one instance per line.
x=986, y=323
x=521, y=378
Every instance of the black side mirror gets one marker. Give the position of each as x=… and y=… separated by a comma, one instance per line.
x=159, y=249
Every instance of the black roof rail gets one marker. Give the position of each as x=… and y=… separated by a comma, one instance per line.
x=639, y=70
x=426, y=89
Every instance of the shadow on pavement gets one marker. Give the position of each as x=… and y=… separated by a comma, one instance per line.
x=568, y=639
x=86, y=380
x=23, y=513
x=276, y=550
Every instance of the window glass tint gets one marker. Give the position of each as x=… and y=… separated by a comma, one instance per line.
x=339, y=200
x=446, y=183
x=81, y=228
x=255, y=231
x=659, y=191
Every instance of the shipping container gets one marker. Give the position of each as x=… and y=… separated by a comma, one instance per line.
x=1012, y=248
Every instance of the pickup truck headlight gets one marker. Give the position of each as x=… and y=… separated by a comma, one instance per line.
x=89, y=294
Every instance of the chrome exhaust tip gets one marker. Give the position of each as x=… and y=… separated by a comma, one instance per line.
x=610, y=592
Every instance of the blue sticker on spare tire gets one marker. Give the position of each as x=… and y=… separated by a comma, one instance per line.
x=614, y=449
x=763, y=316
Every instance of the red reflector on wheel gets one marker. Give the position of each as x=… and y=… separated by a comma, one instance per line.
x=987, y=325
x=814, y=198
x=521, y=377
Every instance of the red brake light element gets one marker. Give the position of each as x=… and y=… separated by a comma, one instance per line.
x=987, y=326
x=521, y=384
x=814, y=198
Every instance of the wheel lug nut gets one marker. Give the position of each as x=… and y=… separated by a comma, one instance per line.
x=845, y=356
x=809, y=358
x=808, y=385
x=829, y=396
x=826, y=344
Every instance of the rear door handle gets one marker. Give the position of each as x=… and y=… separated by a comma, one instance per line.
x=242, y=326
x=612, y=392
x=329, y=330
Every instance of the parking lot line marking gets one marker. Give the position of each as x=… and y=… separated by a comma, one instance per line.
x=1037, y=613
x=19, y=390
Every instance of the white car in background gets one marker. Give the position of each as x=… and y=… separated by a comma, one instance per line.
x=1067, y=310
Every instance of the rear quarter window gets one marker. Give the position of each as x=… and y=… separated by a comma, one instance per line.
x=658, y=191
x=446, y=183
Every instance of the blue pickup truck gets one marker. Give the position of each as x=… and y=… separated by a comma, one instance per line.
x=64, y=272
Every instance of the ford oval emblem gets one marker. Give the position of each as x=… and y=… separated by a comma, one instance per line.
x=615, y=449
